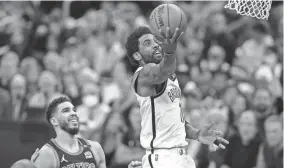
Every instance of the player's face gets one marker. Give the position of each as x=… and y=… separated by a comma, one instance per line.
x=150, y=51
x=67, y=118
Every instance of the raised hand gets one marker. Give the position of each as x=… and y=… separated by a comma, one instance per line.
x=210, y=137
x=169, y=43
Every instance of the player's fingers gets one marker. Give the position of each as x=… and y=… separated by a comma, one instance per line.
x=220, y=139
x=179, y=37
x=168, y=34
x=222, y=146
x=176, y=35
x=162, y=33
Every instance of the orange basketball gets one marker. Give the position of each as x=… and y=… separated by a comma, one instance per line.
x=167, y=15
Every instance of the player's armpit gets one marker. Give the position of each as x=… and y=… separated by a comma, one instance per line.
x=46, y=158
x=100, y=158
x=153, y=74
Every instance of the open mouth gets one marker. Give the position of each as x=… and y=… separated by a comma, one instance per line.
x=74, y=120
x=156, y=52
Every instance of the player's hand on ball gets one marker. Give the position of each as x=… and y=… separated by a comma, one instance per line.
x=169, y=43
x=35, y=155
x=135, y=164
x=210, y=137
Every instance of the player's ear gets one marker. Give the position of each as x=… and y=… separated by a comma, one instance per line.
x=137, y=56
x=53, y=121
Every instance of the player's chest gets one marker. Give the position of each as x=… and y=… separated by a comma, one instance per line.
x=172, y=92
x=85, y=159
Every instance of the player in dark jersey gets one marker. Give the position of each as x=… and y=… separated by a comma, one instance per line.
x=66, y=150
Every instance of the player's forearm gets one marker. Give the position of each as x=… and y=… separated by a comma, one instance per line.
x=168, y=65
x=191, y=132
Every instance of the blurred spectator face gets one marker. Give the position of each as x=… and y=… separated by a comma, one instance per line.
x=194, y=51
x=216, y=56
x=30, y=69
x=8, y=69
x=47, y=82
x=11, y=57
x=262, y=100
x=90, y=95
x=109, y=36
x=87, y=75
x=273, y=131
x=18, y=87
x=238, y=105
x=195, y=118
x=128, y=11
x=230, y=95
x=108, y=6
x=71, y=88
x=247, y=125
x=219, y=81
x=52, y=62
x=218, y=23
x=17, y=38
x=135, y=118
x=271, y=58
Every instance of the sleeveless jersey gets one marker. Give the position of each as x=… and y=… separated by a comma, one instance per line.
x=162, y=118
x=84, y=158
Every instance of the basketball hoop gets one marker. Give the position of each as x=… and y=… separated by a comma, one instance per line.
x=253, y=8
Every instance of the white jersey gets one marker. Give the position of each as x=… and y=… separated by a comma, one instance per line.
x=162, y=118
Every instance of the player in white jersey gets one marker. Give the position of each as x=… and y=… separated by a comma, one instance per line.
x=164, y=130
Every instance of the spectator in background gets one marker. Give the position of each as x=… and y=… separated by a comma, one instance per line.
x=243, y=147
x=129, y=147
x=31, y=70
x=217, y=34
x=262, y=103
x=8, y=67
x=71, y=89
x=48, y=88
x=213, y=157
x=238, y=106
x=111, y=135
x=219, y=83
x=18, y=89
x=270, y=154
x=93, y=112
x=5, y=104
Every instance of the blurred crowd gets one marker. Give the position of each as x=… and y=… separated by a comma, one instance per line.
x=229, y=68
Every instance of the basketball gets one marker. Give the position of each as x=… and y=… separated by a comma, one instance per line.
x=167, y=15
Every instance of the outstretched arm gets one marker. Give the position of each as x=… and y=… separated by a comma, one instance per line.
x=206, y=135
x=153, y=73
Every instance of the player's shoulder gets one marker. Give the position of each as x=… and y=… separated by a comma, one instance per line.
x=47, y=151
x=95, y=145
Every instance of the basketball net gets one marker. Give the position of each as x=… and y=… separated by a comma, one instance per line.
x=253, y=8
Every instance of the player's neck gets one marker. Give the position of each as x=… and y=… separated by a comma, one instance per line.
x=65, y=139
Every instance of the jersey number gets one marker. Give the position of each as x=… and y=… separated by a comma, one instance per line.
x=181, y=113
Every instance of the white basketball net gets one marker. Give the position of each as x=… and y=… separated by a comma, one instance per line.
x=254, y=8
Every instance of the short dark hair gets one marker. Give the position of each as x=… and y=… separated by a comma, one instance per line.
x=132, y=43
x=53, y=105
